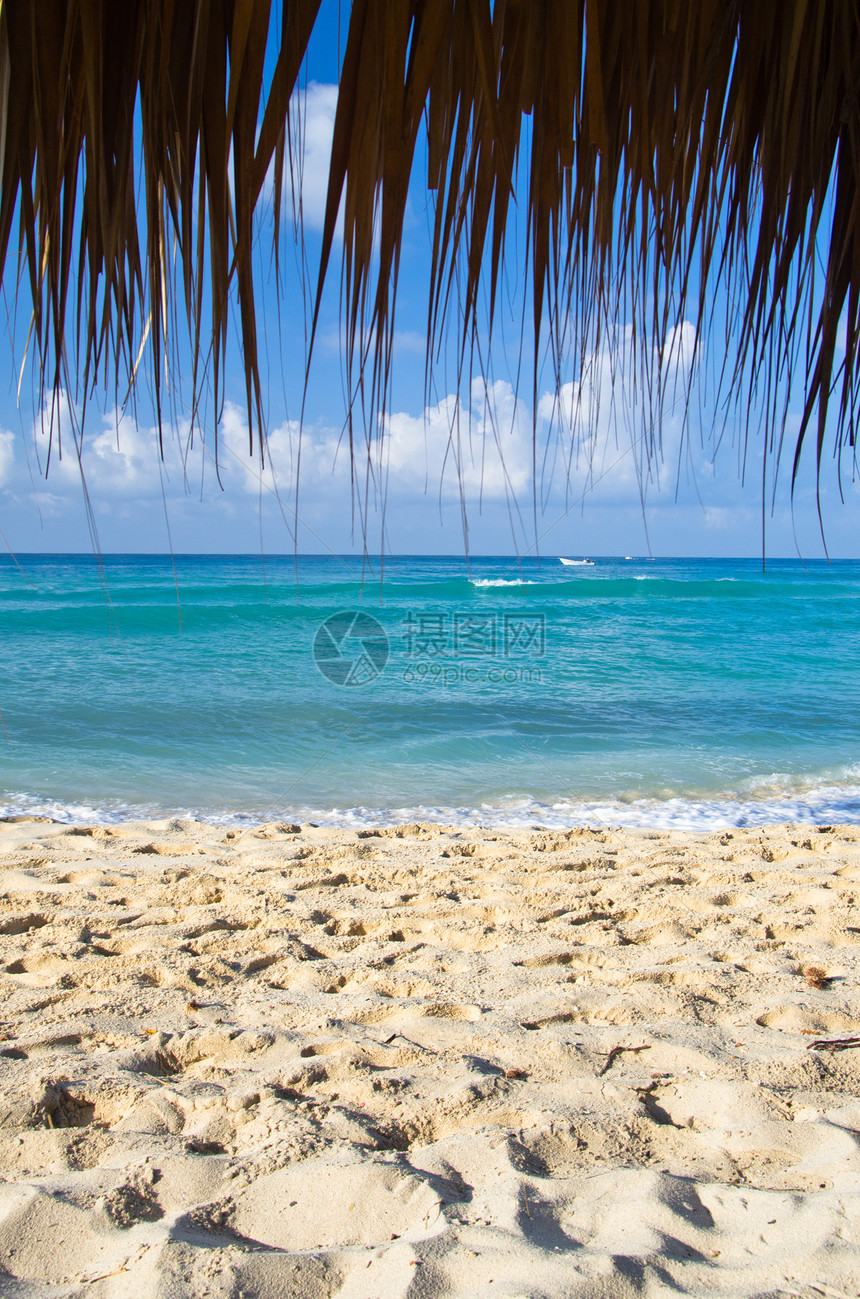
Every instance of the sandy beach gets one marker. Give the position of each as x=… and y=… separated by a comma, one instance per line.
x=294, y=1061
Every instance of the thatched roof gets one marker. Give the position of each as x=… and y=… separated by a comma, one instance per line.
x=670, y=146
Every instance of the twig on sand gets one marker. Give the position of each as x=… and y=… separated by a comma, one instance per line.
x=129, y=1263
x=612, y=1056
x=833, y=1044
x=386, y=1041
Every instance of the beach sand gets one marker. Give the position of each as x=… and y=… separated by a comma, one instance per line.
x=292, y=1061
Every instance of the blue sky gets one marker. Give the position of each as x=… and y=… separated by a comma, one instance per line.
x=572, y=483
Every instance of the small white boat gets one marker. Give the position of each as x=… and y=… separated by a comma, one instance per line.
x=628, y=556
x=575, y=563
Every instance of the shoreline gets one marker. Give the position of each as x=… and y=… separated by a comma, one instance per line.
x=825, y=801
x=332, y=1061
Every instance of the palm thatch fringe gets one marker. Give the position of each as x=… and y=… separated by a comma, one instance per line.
x=671, y=148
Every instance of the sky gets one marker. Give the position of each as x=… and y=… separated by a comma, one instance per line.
x=482, y=471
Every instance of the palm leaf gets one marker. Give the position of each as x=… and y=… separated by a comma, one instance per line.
x=674, y=151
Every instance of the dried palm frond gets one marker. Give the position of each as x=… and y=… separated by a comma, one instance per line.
x=671, y=149
x=91, y=90
x=815, y=976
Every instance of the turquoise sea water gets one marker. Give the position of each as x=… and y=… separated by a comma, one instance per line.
x=692, y=693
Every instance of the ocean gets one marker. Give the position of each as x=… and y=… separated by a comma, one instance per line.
x=694, y=694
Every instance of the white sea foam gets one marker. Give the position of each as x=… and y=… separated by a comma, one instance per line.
x=832, y=804
x=76, y=813
x=500, y=581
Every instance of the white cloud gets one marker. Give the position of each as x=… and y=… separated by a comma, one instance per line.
x=49, y=504
x=589, y=442
x=52, y=438
x=483, y=448
x=590, y=435
x=312, y=113
x=7, y=456
x=122, y=459
x=119, y=459
x=276, y=471
x=406, y=342
x=317, y=127
x=728, y=518
x=409, y=340
x=603, y=429
x=679, y=351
